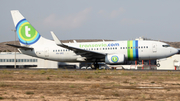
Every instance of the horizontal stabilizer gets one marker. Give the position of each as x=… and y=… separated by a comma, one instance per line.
x=17, y=46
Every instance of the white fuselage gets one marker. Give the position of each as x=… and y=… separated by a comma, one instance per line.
x=132, y=50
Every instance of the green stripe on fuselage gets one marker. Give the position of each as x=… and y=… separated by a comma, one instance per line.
x=130, y=50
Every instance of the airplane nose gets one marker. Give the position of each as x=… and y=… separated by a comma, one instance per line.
x=175, y=51
x=178, y=51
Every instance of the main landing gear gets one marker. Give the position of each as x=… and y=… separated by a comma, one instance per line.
x=95, y=65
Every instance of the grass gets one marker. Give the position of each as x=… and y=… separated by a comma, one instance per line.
x=43, y=72
x=2, y=84
x=126, y=81
x=88, y=84
x=115, y=94
x=29, y=92
x=152, y=82
x=107, y=77
x=48, y=78
x=1, y=98
x=133, y=77
x=7, y=72
x=95, y=85
x=66, y=76
x=89, y=77
x=71, y=86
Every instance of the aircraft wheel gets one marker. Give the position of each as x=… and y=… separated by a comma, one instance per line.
x=158, y=65
x=95, y=66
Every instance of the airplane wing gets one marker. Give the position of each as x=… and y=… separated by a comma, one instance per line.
x=17, y=46
x=84, y=53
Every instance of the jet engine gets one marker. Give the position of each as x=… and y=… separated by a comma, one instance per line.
x=114, y=58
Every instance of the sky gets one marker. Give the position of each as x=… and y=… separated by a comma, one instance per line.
x=95, y=19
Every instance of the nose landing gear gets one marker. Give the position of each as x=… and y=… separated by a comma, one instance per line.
x=157, y=64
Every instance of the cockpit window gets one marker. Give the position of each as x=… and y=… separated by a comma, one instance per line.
x=166, y=45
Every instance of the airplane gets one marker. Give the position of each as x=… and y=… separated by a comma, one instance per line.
x=109, y=52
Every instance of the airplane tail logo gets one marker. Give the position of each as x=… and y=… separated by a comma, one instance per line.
x=26, y=33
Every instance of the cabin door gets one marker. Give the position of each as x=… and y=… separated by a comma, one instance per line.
x=46, y=52
x=154, y=48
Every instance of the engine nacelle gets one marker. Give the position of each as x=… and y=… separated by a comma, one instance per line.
x=114, y=58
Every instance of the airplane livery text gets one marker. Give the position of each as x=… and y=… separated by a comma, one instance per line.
x=98, y=45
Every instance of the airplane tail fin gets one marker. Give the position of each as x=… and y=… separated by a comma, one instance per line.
x=27, y=34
